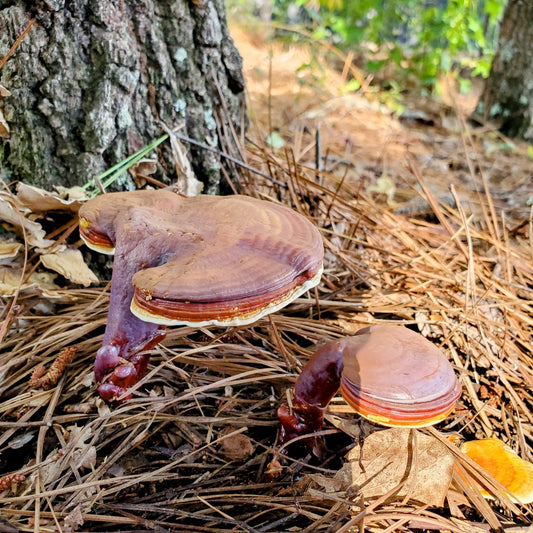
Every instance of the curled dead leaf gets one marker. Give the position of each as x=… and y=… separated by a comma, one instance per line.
x=70, y=264
x=5, y=132
x=12, y=212
x=40, y=201
x=84, y=454
x=38, y=282
x=141, y=170
x=9, y=250
x=186, y=184
x=73, y=520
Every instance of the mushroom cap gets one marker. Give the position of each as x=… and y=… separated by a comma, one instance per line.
x=396, y=377
x=216, y=260
x=504, y=465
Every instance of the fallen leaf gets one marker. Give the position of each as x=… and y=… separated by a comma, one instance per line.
x=4, y=92
x=70, y=264
x=141, y=170
x=73, y=520
x=4, y=127
x=84, y=454
x=40, y=201
x=420, y=463
x=103, y=409
x=52, y=468
x=35, y=234
x=71, y=194
x=327, y=483
x=38, y=282
x=21, y=441
x=186, y=184
x=351, y=427
x=9, y=250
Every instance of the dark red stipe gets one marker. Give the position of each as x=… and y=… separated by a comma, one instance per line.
x=317, y=384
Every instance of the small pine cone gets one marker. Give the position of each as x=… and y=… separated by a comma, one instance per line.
x=10, y=479
x=58, y=366
x=37, y=375
x=49, y=379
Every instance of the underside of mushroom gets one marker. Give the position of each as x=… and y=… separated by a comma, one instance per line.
x=200, y=261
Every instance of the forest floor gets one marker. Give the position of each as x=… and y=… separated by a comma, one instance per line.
x=426, y=222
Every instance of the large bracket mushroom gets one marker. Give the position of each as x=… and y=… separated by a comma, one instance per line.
x=199, y=261
x=389, y=374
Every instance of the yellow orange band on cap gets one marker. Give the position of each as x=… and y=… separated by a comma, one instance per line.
x=384, y=421
x=95, y=240
x=388, y=413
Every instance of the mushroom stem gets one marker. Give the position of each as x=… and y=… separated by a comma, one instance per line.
x=317, y=384
x=125, y=335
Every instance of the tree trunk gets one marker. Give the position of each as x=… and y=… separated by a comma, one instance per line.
x=94, y=80
x=508, y=95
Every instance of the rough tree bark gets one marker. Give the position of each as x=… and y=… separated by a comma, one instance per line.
x=508, y=95
x=94, y=79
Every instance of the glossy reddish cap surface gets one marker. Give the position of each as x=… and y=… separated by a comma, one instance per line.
x=216, y=260
x=396, y=377
x=504, y=465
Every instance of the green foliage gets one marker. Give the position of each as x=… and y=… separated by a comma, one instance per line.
x=114, y=173
x=422, y=38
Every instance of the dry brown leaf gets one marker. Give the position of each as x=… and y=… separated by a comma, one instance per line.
x=38, y=282
x=84, y=454
x=141, y=170
x=398, y=455
x=70, y=264
x=40, y=201
x=73, y=520
x=35, y=234
x=4, y=92
x=9, y=250
x=186, y=184
x=328, y=484
x=4, y=127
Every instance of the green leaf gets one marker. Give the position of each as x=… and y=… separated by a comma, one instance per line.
x=275, y=140
x=482, y=68
x=350, y=87
x=465, y=85
x=494, y=8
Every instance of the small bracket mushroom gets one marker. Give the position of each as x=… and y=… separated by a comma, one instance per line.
x=389, y=374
